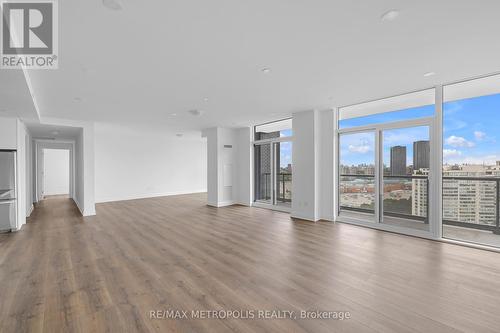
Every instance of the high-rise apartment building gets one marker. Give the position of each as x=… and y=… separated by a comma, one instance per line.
x=470, y=201
x=421, y=154
x=398, y=161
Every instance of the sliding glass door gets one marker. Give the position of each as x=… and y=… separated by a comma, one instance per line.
x=384, y=175
x=273, y=173
x=405, y=159
x=273, y=165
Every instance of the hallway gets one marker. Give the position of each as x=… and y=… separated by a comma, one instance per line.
x=65, y=273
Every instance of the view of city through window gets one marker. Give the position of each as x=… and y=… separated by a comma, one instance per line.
x=406, y=159
x=279, y=154
x=471, y=168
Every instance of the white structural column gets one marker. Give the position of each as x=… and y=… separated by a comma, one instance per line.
x=326, y=158
x=228, y=166
x=436, y=193
x=305, y=189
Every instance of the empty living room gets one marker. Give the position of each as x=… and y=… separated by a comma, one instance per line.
x=250, y=166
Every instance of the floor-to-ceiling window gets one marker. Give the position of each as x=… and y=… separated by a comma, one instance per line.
x=385, y=161
x=273, y=164
x=471, y=161
x=357, y=173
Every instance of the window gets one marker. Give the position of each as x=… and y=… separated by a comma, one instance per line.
x=357, y=172
x=273, y=164
x=471, y=161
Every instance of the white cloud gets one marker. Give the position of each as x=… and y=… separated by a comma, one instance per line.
x=458, y=141
x=448, y=153
x=359, y=149
x=479, y=135
x=476, y=160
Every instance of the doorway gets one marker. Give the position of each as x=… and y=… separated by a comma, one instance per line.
x=55, y=169
x=56, y=173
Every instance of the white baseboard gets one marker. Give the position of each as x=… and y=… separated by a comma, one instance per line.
x=16, y=229
x=243, y=203
x=146, y=196
x=80, y=208
x=31, y=210
x=221, y=204
x=303, y=217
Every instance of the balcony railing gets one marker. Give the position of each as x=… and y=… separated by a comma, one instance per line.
x=283, y=183
x=392, y=209
x=483, y=190
x=284, y=178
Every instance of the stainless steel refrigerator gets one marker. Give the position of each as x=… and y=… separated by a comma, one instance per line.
x=8, y=191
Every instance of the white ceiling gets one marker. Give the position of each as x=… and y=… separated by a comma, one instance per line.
x=151, y=59
x=15, y=96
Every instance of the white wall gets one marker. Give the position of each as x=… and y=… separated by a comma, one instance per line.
x=212, y=166
x=21, y=173
x=8, y=133
x=226, y=147
x=235, y=187
x=29, y=173
x=132, y=163
x=56, y=171
x=244, y=174
x=79, y=173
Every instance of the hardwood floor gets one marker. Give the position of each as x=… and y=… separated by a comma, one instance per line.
x=65, y=273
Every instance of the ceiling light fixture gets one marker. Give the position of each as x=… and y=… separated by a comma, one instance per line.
x=390, y=15
x=195, y=112
x=266, y=70
x=206, y=99
x=173, y=114
x=112, y=4
x=429, y=74
x=55, y=132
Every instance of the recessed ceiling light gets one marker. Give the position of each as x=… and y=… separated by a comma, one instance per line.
x=173, y=114
x=206, y=99
x=266, y=70
x=429, y=74
x=112, y=4
x=390, y=15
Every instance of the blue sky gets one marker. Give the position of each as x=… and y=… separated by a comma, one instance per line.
x=469, y=136
x=285, y=154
